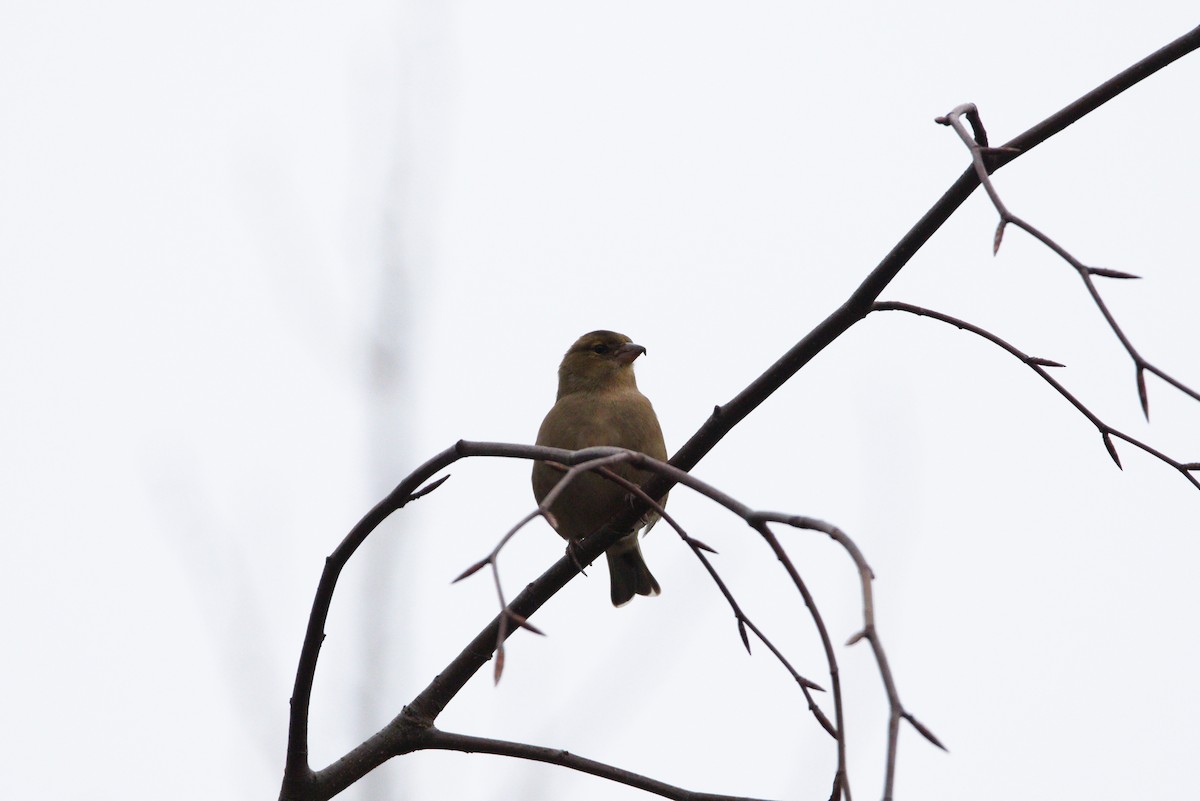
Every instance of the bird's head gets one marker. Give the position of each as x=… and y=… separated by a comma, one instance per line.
x=598, y=361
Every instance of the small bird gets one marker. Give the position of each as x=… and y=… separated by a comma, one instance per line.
x=599, y=404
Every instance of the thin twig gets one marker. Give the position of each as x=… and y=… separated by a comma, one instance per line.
x=491, y=559
x=1038, y=365
x=298, y=775
x=858, y=305
x=869, y=632
x=675, y=475
x=744, y=622
x=421, y=712
x=979, y=150
x=446, y=741
x=602, y=466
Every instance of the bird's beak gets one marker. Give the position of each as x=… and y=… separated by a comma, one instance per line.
x=628, y=352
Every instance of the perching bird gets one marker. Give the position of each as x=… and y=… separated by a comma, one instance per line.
x=599, y=404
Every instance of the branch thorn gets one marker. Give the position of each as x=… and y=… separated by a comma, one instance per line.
x=1104, y=272
x=499, y=665
x=926, y=733
x=428, y=488
x=1112, y=450
x=824, y=721
x=473, y=569
x=1141, y=385
x=524, y=623
x=745, y=636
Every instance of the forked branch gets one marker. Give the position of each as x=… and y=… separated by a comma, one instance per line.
x=301, y=782
x=976, y=142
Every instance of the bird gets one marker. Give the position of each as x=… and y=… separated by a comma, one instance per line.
x=598, y=403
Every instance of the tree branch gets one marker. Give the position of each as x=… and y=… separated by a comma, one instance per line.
x=858, y=305
x=977, y=145
x=1038, y=365
x=301, y=782
x=869, y=632
x=445, y=741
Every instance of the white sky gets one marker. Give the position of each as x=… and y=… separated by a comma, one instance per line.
x=217, y=221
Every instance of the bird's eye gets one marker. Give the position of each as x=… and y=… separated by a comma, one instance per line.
x=601, y=349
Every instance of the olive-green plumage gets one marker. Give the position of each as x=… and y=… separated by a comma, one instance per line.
x=599, y=404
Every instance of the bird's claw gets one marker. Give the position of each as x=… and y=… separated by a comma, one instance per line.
x=573, y=552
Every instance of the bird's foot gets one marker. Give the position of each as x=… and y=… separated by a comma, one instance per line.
x=573, y=553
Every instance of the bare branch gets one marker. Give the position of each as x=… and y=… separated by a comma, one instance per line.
x=506, y=616
x=404, y=733
x=743, y=621
x=445, y=741
x=301, y=782
x=297, y=773
x=1107, y=432
x=868, y=633
x=858, y=305
x=1086, y=273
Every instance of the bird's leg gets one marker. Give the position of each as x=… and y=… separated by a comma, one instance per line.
x=573, y=552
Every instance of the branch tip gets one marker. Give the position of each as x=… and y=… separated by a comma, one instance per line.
x=1040, y=362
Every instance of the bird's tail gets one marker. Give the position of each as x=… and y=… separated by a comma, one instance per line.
x=627, y=571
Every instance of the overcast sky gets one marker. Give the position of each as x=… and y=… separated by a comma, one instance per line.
x=259, y=260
